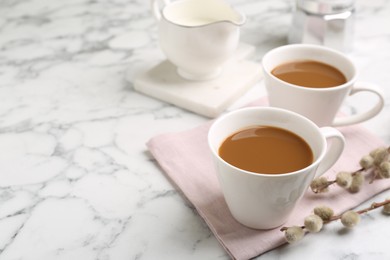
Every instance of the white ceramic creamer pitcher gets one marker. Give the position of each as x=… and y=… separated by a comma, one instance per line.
x=198, y=36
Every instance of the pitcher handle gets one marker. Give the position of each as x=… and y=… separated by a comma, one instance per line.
x=335, y=149
x=363, y=116
x=156, y=9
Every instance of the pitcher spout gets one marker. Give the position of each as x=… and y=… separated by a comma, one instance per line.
x=221, y=11
x=225, y=12
x=195, y=13
x=241, y=19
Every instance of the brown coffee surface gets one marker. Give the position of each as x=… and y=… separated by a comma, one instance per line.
x=266, y=149
x=311, y=74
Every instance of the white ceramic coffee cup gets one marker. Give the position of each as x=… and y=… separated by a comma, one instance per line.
x=264, y=201
x=318, y=104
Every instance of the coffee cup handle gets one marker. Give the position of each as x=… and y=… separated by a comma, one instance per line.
x=363, y=116
x=336, y=143
x=156, y=9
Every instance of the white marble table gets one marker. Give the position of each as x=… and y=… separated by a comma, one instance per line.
x=76, y=181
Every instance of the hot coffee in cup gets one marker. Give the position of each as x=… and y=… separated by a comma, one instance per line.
x=314, y=81
x=309, y=74
x=266, y=158
x=266, y=150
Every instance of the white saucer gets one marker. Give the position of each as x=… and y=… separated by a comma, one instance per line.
x=208, y=98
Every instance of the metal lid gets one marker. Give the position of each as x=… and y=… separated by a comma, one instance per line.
x=326, y=6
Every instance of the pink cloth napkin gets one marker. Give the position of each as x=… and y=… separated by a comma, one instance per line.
x=186, y=160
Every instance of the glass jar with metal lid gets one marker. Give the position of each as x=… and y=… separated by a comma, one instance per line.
x=324, y=22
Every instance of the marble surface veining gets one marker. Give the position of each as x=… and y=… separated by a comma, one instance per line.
x=76, y=181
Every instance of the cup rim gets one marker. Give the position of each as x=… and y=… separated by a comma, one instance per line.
x=279, y=110
x=312, y=47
